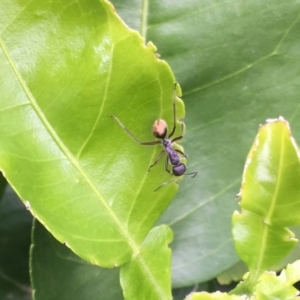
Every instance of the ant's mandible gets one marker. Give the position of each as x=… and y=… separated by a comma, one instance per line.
x=159, y=130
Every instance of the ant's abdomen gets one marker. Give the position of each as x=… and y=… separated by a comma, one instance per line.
x=174, y=158
x=179, y=169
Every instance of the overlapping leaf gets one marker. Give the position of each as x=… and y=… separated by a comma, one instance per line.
x=270, y=286
x=270, y=196
x=281, y=286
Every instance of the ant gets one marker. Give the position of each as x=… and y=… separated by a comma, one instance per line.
x=159, y=130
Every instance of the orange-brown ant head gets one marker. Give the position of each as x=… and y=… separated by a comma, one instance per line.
x=159, y=129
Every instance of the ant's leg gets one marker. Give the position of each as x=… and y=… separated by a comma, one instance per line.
x=193, y=174
x=167, y=165
x=174, y=111
x=165, y=183
x=132, y=136
x=157, y=160
x=181, y=136
x=182, y=153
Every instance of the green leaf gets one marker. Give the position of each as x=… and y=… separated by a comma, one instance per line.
x=83, y=177
x=271, y=287
x=65, y=68
x=281, y=286
x=57, y=273
x=154, y=258
x=270, y=199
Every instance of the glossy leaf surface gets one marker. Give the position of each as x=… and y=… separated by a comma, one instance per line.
x=270, y=198
x=83, y=177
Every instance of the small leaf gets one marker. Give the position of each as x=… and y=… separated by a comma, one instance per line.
x=235, y=273
x=157, y=254
x=270, y=199
x=281, y=286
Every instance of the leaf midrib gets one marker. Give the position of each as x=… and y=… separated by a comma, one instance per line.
x=270, y=214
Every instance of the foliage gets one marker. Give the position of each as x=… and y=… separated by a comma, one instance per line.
x=66, y=67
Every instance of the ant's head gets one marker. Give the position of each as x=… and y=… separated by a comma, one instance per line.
x=160, y=129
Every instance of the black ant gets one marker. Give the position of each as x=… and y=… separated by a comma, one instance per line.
x=159, y=130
